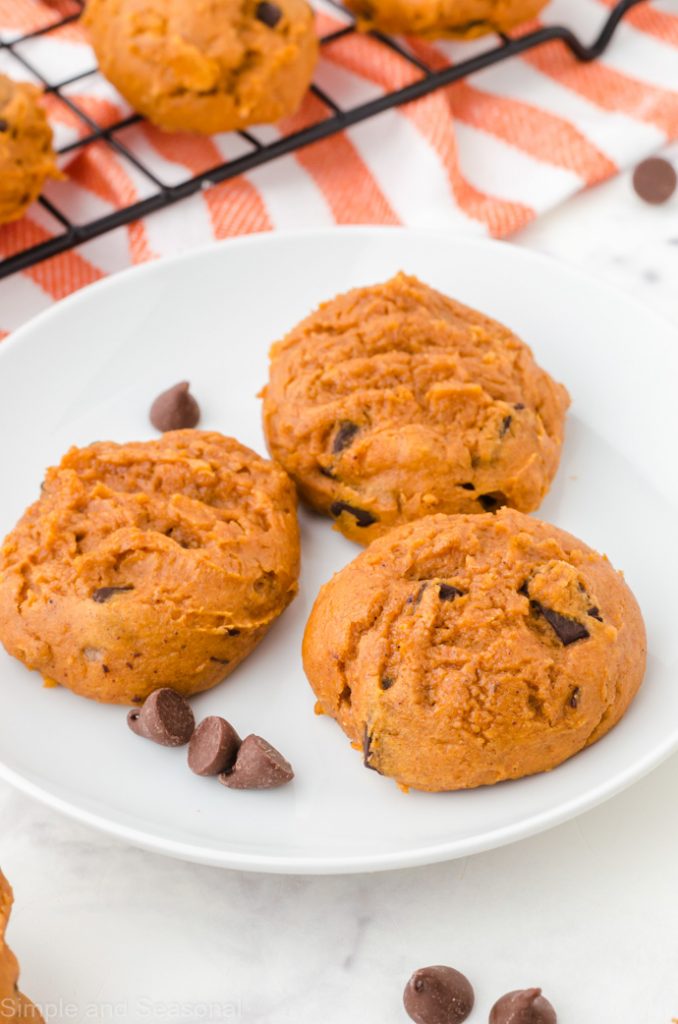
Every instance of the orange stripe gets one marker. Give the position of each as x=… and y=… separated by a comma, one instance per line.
x=544, y=136
x=339, y=171
x=58, y=276
x=661, y=24
x=98, y=170
x=608, y=89
x=369, y=59
x=235, y=207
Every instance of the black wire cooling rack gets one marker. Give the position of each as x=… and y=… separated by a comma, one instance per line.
x=338, y=118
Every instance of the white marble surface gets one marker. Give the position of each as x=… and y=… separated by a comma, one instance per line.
x=588, y=910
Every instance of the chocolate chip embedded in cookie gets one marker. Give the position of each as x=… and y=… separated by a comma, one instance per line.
x=459, y=19
x=27, y=159
x=394, y=402
x=459, y=651
x=151, y=564
x=13, y=1005
x=206, y=67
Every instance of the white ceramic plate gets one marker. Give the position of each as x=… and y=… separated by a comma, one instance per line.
x=89, y=368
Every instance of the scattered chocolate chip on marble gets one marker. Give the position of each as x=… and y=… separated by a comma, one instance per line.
x=438, y=995
x=213, y=747
x=165, y=718
x=175, y=409
x=361, y=515
x=257, y=766
x=446, y=592
x=104, y=594
x=344, y=436
x=524, y=1006
x=655, y=180
x=270, y=14
x=567, y=630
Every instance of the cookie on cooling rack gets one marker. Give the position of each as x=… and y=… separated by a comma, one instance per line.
x=13, y=1005
x=459, y=651
x=206, y=67
x=26, y=156
x=433, y=19
x=150, y=564
x=393, y=402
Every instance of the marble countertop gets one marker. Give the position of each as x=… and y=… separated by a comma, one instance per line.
x=588, y=911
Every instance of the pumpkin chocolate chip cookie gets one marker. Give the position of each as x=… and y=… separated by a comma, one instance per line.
x=206, y=66
x=13, y=1005
x=393, y=402
x=150, y=564
x=458, y=19
x=26, y=155
x=459, y=651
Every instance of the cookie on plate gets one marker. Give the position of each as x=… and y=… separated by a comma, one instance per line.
x=149, y=564
x=459, y=651
x=196, y=67
x=27, y=159
x=13, y=1005
x=457, y=19
x=393, y=402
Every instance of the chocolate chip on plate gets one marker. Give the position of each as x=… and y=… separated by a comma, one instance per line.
x=257, y=766
x=361, y=515
x=175, y=409
x=446, y=592
x=438, y=995
x=655, y=180
x=343, y=437
x=104, y=594
x=214, y=747
x=524, y=1006
x=567, y=630
x=269, y=13
x=165, y=718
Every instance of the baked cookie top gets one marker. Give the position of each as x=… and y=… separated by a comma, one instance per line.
x=13, y=1005
x=149, y=564
x=459, y=651
x=460, y=19
x=206, y=67
x=26, y=155
x=394, y=401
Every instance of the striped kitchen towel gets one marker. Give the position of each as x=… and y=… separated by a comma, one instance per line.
x=486, y=155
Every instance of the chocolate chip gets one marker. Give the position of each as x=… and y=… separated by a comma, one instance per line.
x=221, y=661
x=386, y=682
x=344, y=436
x=526, y=1006
x=367, y=750
x=655, y=180
x=438, y=995
x=362, y=517
x=574, y=697
x=234, y=631
x=415, y=599
x=326, y=471
x=175, y=409
x=505, y=425
x=214, y=747
x=257, y=766
x=595, y=613
x=4, y=125
x=446, y=592
x=567, y=630
x=166, y=718
x=519, y=406
x=269, y=13
x=491, y=502
x=104, y=594
x=467, y=487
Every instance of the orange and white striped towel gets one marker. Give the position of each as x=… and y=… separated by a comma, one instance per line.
x=486, y=155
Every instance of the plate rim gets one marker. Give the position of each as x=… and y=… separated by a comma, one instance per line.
x=361, y=863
